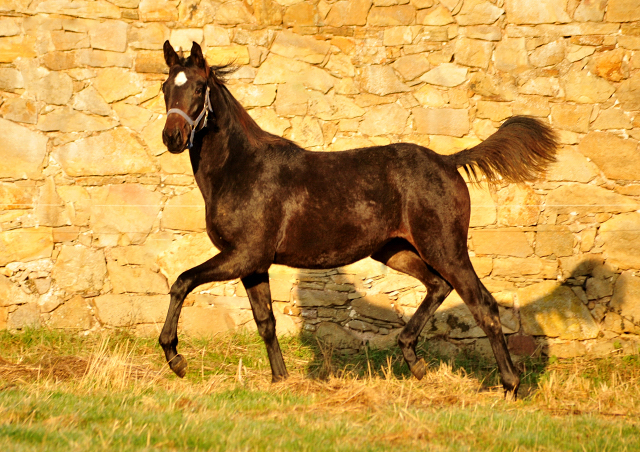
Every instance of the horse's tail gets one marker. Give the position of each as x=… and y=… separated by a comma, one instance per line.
x=519, y=151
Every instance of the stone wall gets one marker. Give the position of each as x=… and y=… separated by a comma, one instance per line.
x=97, y=220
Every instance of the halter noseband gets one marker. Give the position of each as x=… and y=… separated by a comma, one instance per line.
x=194, y=124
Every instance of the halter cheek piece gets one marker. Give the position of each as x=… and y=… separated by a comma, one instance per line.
x=204, y=114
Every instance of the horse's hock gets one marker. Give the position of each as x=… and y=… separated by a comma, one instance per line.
x=97, y=219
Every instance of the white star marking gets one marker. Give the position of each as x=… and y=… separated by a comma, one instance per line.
x=180, y=79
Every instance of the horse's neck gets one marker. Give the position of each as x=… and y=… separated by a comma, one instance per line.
x=219, y=150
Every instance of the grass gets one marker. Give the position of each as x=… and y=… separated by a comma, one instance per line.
x=61, y=391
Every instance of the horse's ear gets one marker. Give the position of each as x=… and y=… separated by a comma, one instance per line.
x=197, y=57
x=170, y=55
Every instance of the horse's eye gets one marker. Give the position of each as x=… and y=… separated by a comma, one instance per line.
x=198, y=90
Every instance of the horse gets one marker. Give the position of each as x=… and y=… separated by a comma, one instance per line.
x=269, y=201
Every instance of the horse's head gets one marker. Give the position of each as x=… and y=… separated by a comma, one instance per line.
x=185, y=95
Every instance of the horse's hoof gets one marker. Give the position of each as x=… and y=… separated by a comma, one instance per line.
x=419, y=369
x=179, y=365
x=511, y=395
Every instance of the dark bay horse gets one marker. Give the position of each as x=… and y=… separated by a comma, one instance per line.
x=268, y=201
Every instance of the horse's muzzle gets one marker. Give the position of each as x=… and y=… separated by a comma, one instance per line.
x=175, y=139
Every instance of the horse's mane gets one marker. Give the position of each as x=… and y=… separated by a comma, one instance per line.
x=218, y=76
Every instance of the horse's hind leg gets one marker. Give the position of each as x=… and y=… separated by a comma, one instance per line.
x=401, y=256
x=485, y=312
x=257, y=286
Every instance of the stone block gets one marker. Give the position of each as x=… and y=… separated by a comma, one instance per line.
x=381, y=80
x=518, y=267
x=311, y=298
x=234, y=13
x=377, y=307
x=623, y=11
x=338, y=337
x=21, y=46
x=23, y=151
x=617, y=157
x=185, y=212
x=278, y=69
x=90, y=101
x=250, y=95
x=483, y=207
x=197, y=13
x=511, y=55
x=299, y=47
x=518, y=206
x=127, y=310
x=74, y=314
x=477, y=12
x=158, y=10
x=98, y=9
x=437, y=16
x=473, y=52
x=551, y=309
x=25, y=316
x=557, y=241
x=441, y=121
x=523, y=12
x=115, y=84
x=585, y=87
x=574, y=118
x=590, y=10
x=50, y=209
x=446, y=74
x=128, y=209
x=267, y=119
x=503, y=242
x=10, y=79
x=26, y=244
x=411, y=66
x=184, y=253
x=384, y=119
x=12, y=294
x=79, y=269
x=628, y=93
x=110, y=35
x=620, y=240
x=134, y=279
x=66, y=120
x=148, y=36
x=611, y=65
x=103, y=59
x=150, y=62
x=109, y=153
x=571, y=166
x=542, y=86
x=18, y=109
x=496, y=111
x=612, y=118
x=306, y=131
x=301, y=14
x=626, y=303
x=352, y=12
x=68, y=40
x=389, y=16
x=548, y=54
x=584, y=198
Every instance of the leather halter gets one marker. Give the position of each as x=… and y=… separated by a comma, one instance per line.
x=204, y=114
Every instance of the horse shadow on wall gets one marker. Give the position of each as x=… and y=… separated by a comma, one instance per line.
x=588, y=313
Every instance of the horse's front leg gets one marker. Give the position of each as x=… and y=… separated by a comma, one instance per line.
x=225, y=266
x=257, y=286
